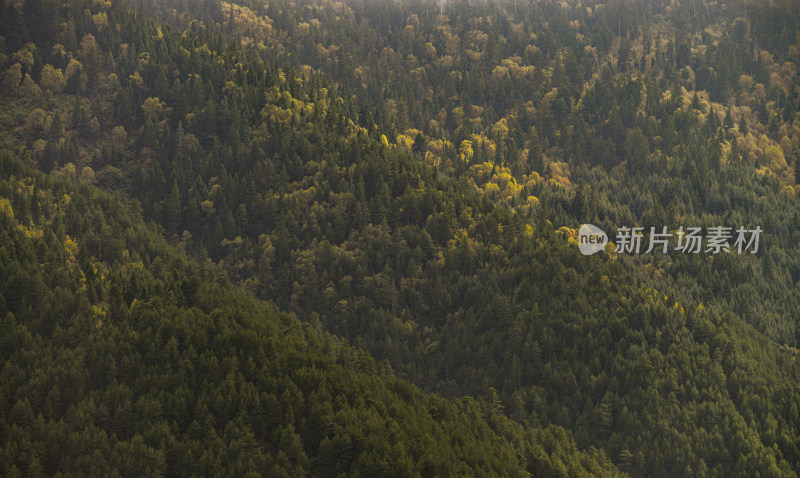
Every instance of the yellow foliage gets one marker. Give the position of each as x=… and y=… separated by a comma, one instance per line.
x=30, y=233
x=52, y=80
x=533, y=179
x=25, y=55
x=100, y=21
x=567, y=231
x=437, y=146
x=465, y=150
x=36, y=119
x=6, y=209
x=475, y=111
x=551, y=95
x=135, y=78
x=405, y=141
x=245, y=20
x=531, y=49
x=560, y=173
x=153, y=108
x=775, y=159
x=207, y=207
x=500, y=72
x=71, y=247
x=726, y=151
x=559, y=181
x=492, y=190
x=746, y=83
x=39, y=145
x=764, y=172
x=487, y=144
x=458, y=114
x=528, y=232
x=500, y=129
x=504, y=178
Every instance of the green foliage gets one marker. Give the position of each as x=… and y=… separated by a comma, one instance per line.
x=123, y=358
x=397, y=178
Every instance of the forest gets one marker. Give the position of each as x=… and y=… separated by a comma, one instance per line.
x=337, y=238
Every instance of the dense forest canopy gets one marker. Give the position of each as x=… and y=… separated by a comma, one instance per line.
x=239, y=235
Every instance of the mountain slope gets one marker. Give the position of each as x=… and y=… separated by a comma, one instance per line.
x=122, y=358
x=441, y=255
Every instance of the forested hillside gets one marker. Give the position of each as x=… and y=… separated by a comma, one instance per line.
x=122, y=358
x=406, y=176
